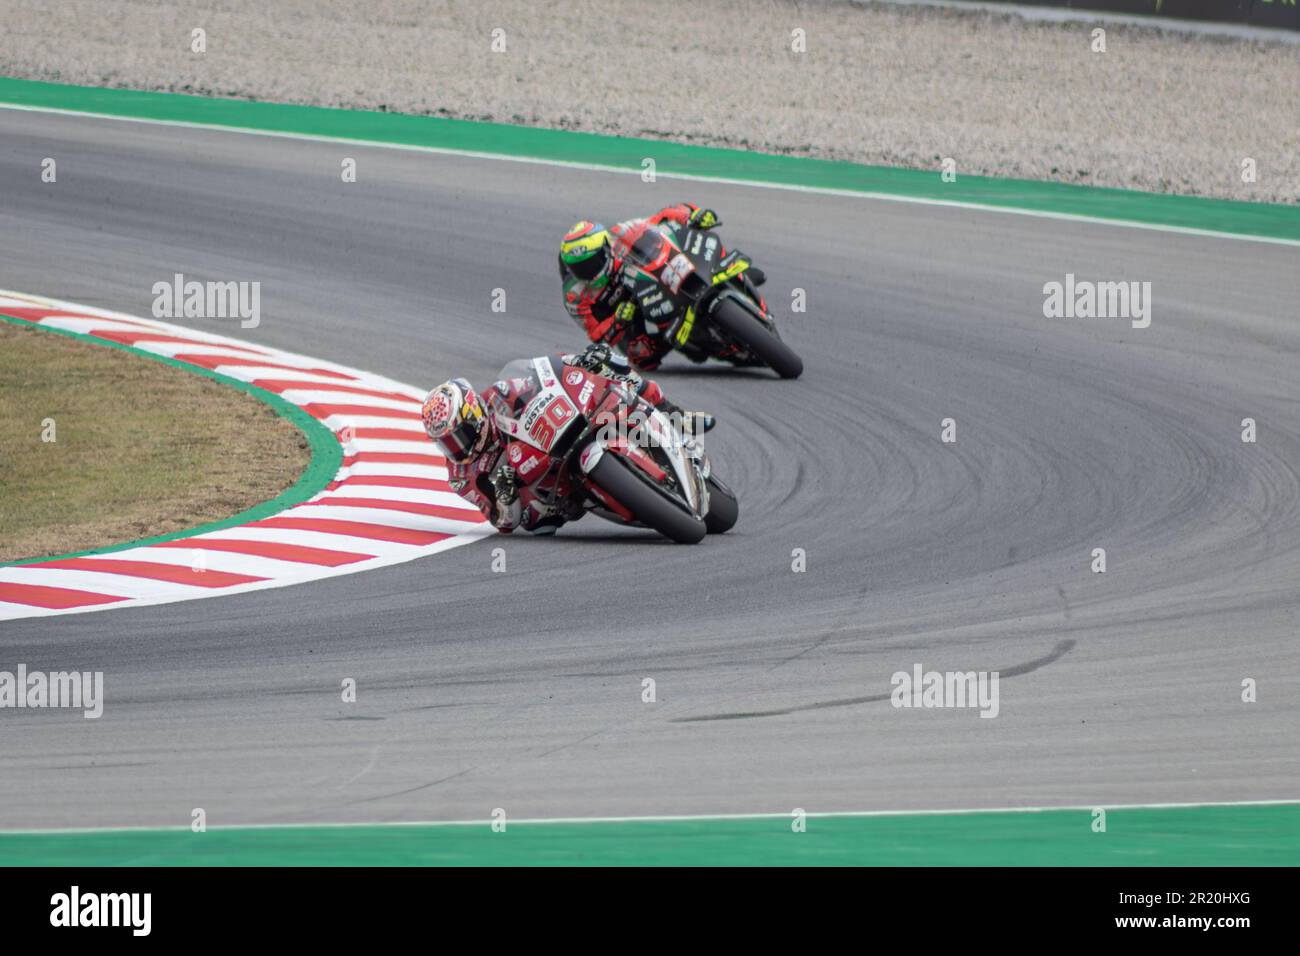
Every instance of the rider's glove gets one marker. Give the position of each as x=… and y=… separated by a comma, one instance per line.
x=704, y=219
x=505, y=486
x=625, y=311
x=594, y=357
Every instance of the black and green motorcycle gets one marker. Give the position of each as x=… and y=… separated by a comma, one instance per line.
x=707, y=297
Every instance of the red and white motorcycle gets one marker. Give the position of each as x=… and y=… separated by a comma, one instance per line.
x=607, y=450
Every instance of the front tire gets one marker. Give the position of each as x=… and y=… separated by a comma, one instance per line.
x=740, y=325
x=648, y=505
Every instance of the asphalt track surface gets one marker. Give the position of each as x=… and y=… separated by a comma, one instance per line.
x=523, y=690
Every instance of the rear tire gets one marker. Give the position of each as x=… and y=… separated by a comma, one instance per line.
x=723, y=508
x=649, y=506
x=738, y=324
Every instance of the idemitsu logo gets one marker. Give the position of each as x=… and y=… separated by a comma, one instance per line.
x=102, y=909
x=1098, y=300
x=946, y=689
x=208, y=300
x=75, y=689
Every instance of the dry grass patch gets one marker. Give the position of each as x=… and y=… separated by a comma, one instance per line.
x=140, y=449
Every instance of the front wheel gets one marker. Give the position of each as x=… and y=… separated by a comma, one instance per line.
x=748, y=331
x=650, y=506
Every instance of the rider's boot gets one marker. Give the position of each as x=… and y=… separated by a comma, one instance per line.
x=701, y=422
x=688, y=423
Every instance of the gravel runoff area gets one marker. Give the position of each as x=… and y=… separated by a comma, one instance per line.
x=874, y=84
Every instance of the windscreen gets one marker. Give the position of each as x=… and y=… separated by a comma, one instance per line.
x=640, y=244
x=520, y=381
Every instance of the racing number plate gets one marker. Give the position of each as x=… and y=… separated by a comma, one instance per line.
x=542, y=428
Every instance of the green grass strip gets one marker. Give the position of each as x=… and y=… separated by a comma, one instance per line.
x=1275, y=221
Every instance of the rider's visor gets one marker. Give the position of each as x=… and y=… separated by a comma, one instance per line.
x=460, y=441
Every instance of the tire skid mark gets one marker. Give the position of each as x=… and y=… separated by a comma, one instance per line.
x=1060, y=650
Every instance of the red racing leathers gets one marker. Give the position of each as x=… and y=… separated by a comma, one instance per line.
x=597, y=309
x=514, y=493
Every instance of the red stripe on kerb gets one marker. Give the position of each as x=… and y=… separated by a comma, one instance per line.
x=408, y=507
x=132, y=338
x=42, y=595
x=214, y=361
x=356, y=529
x=392, y=481
x=317, y=410
x=278, y=385
x=154, y=571
x=389, y=434
x=298, y=553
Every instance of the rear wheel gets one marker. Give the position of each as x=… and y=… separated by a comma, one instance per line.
x=648, y=505
x=745, y=329
x=723, y=507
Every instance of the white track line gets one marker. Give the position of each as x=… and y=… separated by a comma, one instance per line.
x=685, y=818
x=685, y=177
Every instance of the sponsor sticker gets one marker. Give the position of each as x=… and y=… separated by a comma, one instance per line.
x=675, y=273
